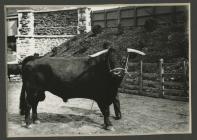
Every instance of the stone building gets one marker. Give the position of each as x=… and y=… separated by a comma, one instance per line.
x=40, y=31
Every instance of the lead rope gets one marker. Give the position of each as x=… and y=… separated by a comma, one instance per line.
x=92, y=105
x=126, y=66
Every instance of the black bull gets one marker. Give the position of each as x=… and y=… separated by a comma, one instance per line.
x=96, y=77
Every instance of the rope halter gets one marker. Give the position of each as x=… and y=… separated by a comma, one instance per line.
x=125, y=69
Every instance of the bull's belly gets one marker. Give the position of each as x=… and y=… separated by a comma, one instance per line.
x=88, y=91
x=93, y=87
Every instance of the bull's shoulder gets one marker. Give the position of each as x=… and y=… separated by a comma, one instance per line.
x=58, y=62
x=63, y=59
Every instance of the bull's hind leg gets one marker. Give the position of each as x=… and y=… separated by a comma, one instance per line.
x=34, y=113
x=105, y=111
x=27, y=115
x=31, y=104
x=40, y=96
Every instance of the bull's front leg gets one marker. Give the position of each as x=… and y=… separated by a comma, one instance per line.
x=107, y=122
x=105, y=111
x=116, y=103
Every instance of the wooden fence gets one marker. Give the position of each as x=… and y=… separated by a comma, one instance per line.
x=136, y=16
x=162, y=80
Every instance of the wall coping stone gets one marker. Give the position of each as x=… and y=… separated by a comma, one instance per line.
x=25, y=11
x=46, y=36
x=44, y=11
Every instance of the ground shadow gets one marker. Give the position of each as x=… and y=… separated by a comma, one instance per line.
x=55, y=118
x=83, y=110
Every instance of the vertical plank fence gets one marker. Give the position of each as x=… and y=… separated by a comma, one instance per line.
x=161, y=80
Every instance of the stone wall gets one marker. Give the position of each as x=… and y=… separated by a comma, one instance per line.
x=39, y=32
x=25, y=47
x=56, y=31
x=56, y=23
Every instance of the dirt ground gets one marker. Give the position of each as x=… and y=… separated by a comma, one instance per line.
x=141, y=115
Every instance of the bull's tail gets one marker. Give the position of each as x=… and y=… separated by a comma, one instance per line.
x=23, y=103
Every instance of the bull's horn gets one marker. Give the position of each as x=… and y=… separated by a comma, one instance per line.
x=99, y=53
x=135, y=51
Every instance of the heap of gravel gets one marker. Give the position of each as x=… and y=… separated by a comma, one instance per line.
x=163, y=42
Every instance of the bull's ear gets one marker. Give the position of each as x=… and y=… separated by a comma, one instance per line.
x=99, y=53
x=129, y=50
x=110, y=49
x=106, y=45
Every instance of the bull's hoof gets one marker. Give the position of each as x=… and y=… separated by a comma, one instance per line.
x=65, y=100
x=118, y=117
x=36, y=122
x=28, y=126
x=109, y=128
x=23, y=124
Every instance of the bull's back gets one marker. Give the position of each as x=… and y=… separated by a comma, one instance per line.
x=63, y=69
x=58, y=71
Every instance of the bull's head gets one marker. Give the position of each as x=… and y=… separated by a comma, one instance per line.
x=117, y=60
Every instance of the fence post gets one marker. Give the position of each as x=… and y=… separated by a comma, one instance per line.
x=161, y=77
x=135, y=17
x=154, y=11
x=185, y=77
x=91, y=19
x=174, y=16
x=119, y=16
x=140, y=78
x=105, y=19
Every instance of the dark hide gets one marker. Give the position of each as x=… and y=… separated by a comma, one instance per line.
x=67, y=78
